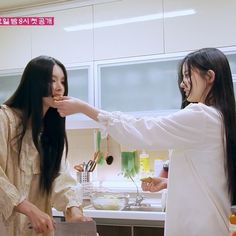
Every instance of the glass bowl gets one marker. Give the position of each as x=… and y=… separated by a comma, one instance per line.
x=109, y=201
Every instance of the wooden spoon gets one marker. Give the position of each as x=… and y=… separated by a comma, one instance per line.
x=109, y=158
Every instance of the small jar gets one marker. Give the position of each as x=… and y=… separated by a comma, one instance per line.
x=232, y=221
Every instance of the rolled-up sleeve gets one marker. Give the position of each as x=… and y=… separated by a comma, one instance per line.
x=66, y=191
x=9, y=195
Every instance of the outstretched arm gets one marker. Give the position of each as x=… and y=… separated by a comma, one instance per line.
x=70, y=105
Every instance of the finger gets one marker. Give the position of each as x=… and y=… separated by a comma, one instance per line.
x=64, y=98
x=54, y=224
x=156, y=187
x=145, y=187
x=44, y=228
x=156, y=180
x=37, y=230
x=50, y=225
x=62, y=114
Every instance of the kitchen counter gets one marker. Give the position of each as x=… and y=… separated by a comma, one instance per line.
x=131, y=215
x=145, y=218
x=127, y=217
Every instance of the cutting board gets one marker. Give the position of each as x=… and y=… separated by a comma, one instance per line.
x=84, y=228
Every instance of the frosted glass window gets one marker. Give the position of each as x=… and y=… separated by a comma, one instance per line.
x=78, y=83
x=235, y=88
x=232, y=62
x=8, y=85
x=146, y=86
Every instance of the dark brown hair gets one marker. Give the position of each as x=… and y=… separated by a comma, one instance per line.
x=48, y=131
x=221, y=96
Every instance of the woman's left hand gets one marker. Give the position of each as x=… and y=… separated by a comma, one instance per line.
x=75, y=214
x=154, y=185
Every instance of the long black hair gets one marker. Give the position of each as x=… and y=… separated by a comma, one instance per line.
x=221, y=96
x=48, y=131
x=184, y=101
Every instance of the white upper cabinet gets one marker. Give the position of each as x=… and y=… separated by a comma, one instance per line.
x=142, y=87
x=69, y=40
x=80, y=85
x=190, y=25
x=9, y=84
x=15, y=46
x=128, y=28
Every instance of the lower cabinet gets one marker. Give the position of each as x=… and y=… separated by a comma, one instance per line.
x=150, y=231
x=108, y=230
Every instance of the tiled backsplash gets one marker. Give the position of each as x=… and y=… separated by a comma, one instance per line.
x=82, y=145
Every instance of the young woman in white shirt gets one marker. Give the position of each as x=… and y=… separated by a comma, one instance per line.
x=201, y=138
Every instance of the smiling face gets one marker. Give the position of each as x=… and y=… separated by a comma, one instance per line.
x=58, y=86
x=195, y=86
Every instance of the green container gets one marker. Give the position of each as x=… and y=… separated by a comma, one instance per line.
x=129, y=163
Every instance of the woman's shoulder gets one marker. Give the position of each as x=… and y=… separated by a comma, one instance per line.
x=7, y=113
x=201, y=107
x=205, y=110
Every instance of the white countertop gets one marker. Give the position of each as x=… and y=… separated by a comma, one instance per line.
x=156, y=217
x=131, y=215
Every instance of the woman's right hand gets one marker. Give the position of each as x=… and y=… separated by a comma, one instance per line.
x=70, y=105
x=154, y=184
x=39, y=221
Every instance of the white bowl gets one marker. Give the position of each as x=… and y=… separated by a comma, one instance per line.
x=109, y=201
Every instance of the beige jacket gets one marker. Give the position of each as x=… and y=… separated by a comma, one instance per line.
x=19, y=181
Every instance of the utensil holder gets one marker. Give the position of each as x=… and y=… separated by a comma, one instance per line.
x=83, y=176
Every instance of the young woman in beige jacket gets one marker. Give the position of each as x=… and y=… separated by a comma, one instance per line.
x=34, y=174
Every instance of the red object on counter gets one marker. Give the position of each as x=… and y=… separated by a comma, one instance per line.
x=164, y=174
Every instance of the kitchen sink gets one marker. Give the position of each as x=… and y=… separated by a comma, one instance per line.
x=135, y=202
x=143, y=207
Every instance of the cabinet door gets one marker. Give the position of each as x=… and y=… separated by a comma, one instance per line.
x=232, y=62
x=128, y=28
x=190, y=25
x=80, y=85
x=15, y=47
x=107, y=230
x=9, y=84
x=150, y=231
x=68, y=40
x=139, y=87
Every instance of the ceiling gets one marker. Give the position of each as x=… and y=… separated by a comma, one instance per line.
x=9, y=5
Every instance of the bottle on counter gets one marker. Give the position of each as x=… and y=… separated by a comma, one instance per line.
x=144, y=164
x=232, y=221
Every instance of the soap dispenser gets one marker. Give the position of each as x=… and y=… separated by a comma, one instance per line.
x=144, y=162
